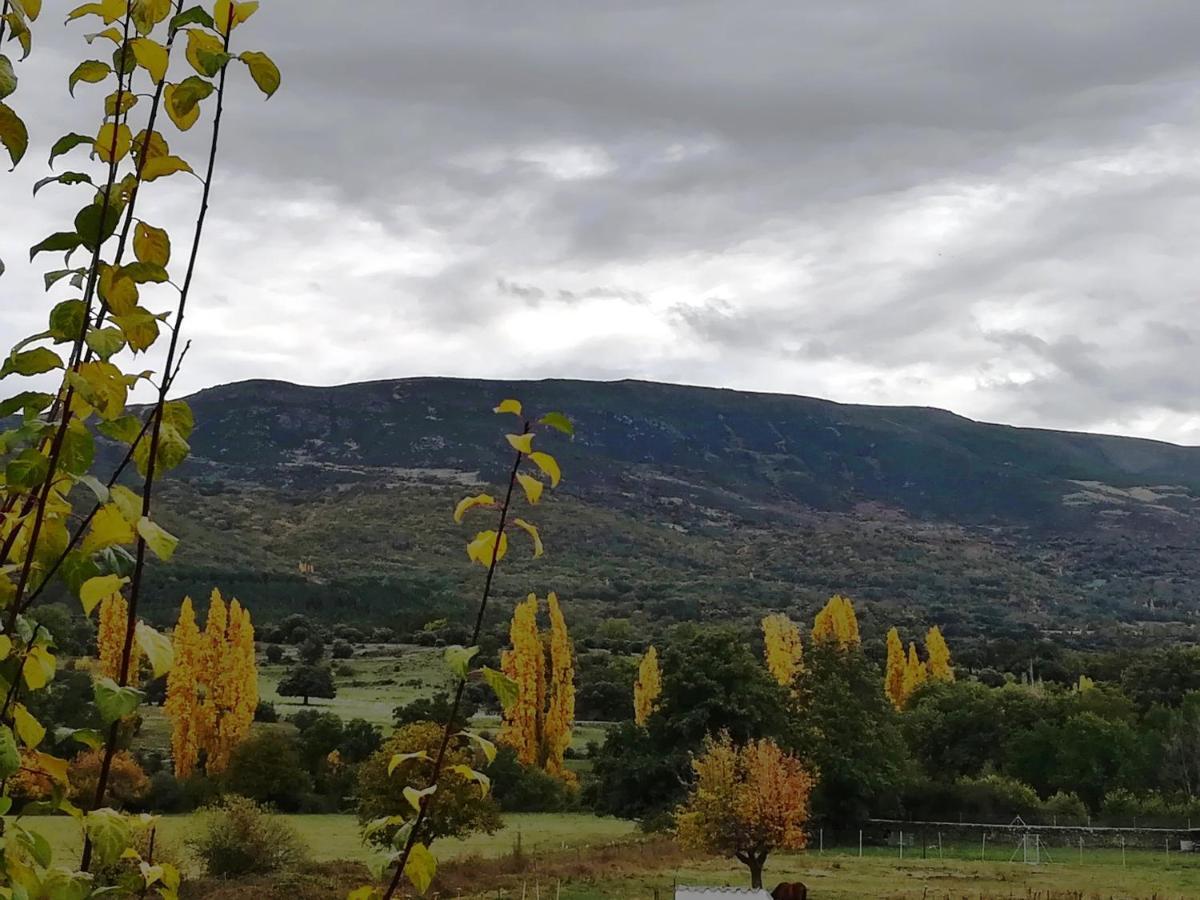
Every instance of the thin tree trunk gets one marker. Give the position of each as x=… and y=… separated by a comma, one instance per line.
x=755, y=862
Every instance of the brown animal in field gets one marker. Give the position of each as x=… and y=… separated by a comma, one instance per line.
x=790, y=890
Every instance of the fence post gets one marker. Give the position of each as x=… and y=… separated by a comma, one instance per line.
x=1122, y=851
x=821, y=838
x=940, y=845
x=860, y=843
x=902, y=843
x=1081, y=849
x=983, y=849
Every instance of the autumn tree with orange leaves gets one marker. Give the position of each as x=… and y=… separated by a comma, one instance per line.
x=746, y=801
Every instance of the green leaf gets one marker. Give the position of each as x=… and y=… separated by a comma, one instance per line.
x=52, y=278
x=113, y=701
x=90, y=71
x=264, y=72
x=31, y=402
x=66, y=320
x=469, y=774
x=61, y=240
x=124, y=429
x=488, y=748
x=105, y=342
x=96, y=486
x=110, y=834
x=13, y=134
x=28, y=470
x=502, y=686
x=31, y=362
x=157, y=647
x=96, y=589
x=96, y=223
x=458, y=659
x=78, y=449
x=187, y=94
x=68, y=142
x=157, y=538
x=421, y=867
x=144, y=272
x=148, y=13
x=89, y=737
x=194, y=16
x=10, y=757
x=559, y=421
x=8, y=78
x=64, y=178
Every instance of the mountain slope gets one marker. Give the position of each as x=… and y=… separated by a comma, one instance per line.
x=682, y=502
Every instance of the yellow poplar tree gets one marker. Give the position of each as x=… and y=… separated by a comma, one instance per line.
x=560, y=712
x=213, y=697
x=939, y=656
x=782, y=649
x=182, y=701
x=893, y=679
x=525, y=664
x=648, y=687
x=837, y=622
x=110, y=639
x=538, y=724
x=914, y=672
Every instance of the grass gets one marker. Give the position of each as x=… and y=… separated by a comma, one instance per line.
x=604, y=859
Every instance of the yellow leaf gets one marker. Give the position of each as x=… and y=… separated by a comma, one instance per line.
x=118, y=290
x=533, y=488
x=30, y=730
x=488, y=748
x=509, y=406
x=547, y=464
x=365, y=892
x=480, y=550
x=151, y=56
x=522, y=443
x=467, y=503
x=421, y=867
x=113, y=143
x=157, y=647
x=470, y=774
x=151, y=245
x=163, y=165
x=532, y=531
x=96, y=589
x=227, y=14
x=38, y=668
x=108, y=528
x=399, y=758
x=414, y=797
x=53, y=766
x=183, y=123
x=5, y=646
x=157, y=538
x=129, y=503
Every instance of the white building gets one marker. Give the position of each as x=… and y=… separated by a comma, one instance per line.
x=683, y=892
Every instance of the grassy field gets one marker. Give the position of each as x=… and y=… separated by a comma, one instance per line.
x=604, y=859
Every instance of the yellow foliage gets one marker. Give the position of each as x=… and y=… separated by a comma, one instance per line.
x=782, y=649
x=837, y=622
x=939, y=656
x=538, y=725
x=647, y=688
x=893, y=678
x=182, y=700
x=212, y=692
x=560, y=711
x=110, y=638
x=914, y=672
x=746, y=802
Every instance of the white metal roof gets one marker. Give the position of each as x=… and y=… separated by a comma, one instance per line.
x=684, y=892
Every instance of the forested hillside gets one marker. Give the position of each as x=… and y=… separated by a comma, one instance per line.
x=686, y=503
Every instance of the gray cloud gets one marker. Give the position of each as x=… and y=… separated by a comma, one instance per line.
x=988, y=207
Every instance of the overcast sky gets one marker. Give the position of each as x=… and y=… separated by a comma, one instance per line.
x=988, y=207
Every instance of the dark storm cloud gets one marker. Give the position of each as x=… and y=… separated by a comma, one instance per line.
x=989, y=207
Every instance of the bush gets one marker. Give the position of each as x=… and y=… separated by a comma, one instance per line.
x=341, y=650
x=239, y=837
x=127, y=783
x=434, y=709
x=267, y=767
x=521, y=788
x=265, y=712
x=274, y=653
x=1065, y=809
